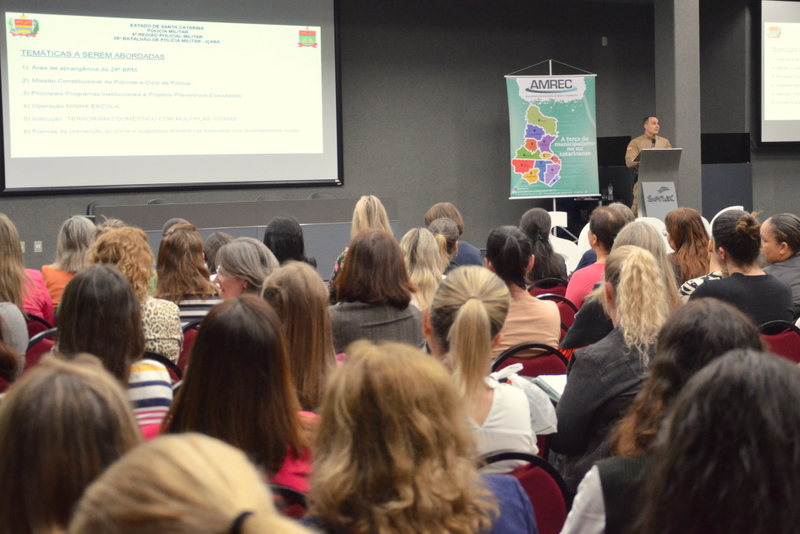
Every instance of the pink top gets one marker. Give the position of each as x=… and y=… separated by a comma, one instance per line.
x=583, y=281
x=295, y=469
x=38, y=300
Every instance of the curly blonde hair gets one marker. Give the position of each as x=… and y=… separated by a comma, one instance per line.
x=128, y=250
x=642, y=300
x=396, y=451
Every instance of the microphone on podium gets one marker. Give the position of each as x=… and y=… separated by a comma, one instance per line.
x=654, y=143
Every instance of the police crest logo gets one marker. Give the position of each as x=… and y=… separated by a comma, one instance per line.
x=308, y=38
x=23, y=27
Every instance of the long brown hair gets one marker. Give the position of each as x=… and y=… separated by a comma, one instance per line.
x=685, y=227
x=12, y=267
x=182, y=272
x=239, y=387
x=61, y=425
x=375, y=271
x=300, y=298
x=101, y=315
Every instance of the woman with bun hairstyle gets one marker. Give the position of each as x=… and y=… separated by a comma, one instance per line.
x=61, y=426
x=605, y=377
x=692, y=337
x=462, y=326
x=509, y=254
x=446, y=231
x=780, y=246
x=426, y=260
x=300, y=298
x=187, y=484
x=536, y=225
x=396, y=453
x=688, y=238
x=737, y=244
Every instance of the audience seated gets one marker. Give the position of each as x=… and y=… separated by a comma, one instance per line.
x=25, y=288
x=211, y=246
x=692, y=337
x=181, y=484
x=780, y=246
x=300, y=298
x=170, y=223
x=461, y=327
x=426, y=259
x=100, y=315
x=242, y=266
x=72, y=247
x=11, y=361
x=398, y=455
x=466, y=254
x=239, y=389
x=592, y=323
x=536, y=225
x=688, y=238
x=604, y=377
x=728, y=460
x=128, y=250
x=61, y=425
x=182, y=274
x=737, y=243
x=106, y=226
x=509, y=254
x=369, y=214
x=284, y=238
x=589, y=257
x=604, y=224
x=446, y=230
x=374, y=294
x=715, y=272
x=14, y=332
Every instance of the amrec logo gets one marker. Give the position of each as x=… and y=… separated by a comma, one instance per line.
x=551, y=86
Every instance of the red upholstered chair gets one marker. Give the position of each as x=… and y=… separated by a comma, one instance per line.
x=555, y=286
x=565, y=307
x=175, y=374
x=39, y=345
x=189, y=333
x=546, y=360
x=783, y=339
x=289, y=502
x=544, y=486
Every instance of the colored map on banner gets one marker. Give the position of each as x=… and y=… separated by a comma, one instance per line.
x=553, y=136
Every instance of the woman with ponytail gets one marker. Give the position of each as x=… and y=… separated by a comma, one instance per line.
x=509, y=254
x=605, y=377
x=737, y=244
x=536, y=225
x=462, y=326
x=426, y=259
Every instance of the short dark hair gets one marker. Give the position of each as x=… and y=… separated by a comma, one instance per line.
x=240, y=345
x=786, y=227
x=213, y=243
x=374, y=271
x=605, y=223
x=734, y=432
x=170, y=223
x=284, y=237
x=738, y=232
x=509, y=251
x=100, y=314
x=648, y=118
x=445, y=209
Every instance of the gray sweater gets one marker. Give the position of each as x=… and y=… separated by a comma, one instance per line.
x=352, y=321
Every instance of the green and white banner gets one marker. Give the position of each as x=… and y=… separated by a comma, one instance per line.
x=553, y=136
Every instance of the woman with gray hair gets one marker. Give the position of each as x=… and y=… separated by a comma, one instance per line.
x=74, y=240
x=242, y=266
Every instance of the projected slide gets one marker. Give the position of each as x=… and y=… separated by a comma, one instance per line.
x=780, y=71
x=91, y=86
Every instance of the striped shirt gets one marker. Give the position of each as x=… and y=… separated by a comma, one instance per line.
x=150, y=392
x=195, y=308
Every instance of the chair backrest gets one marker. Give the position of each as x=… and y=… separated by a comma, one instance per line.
x=36, y=324
x=661, y=228
x=565, y=307
x=39, y=345
x=175, y=374
x=289, y=502
x=568, y=250
x=544, y=487
x=556, y=286
x=189, y=333
x=583, y=239
x=783, y=338
x=542, y=360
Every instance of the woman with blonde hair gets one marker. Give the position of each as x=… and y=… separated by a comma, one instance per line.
x=242, y=266
x=300, y=298
x=688, y=238
x=398, y=453
x=189, y=484
x=462, y=326
x=426, y=259
x=369, y=214
x=72, y=249
x=446, y=230
x=182, y=274
x=128, y=250
x=61, y=425
x=25, y=288
x=605, y=377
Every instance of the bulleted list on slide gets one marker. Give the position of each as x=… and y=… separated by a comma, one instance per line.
x=95, y=86
x=782, y=71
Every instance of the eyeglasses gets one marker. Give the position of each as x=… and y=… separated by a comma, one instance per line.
x=663, y=232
